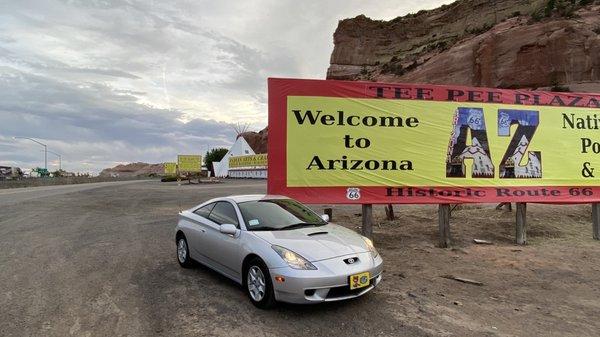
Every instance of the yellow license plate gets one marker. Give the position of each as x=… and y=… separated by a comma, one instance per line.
x=360, y=280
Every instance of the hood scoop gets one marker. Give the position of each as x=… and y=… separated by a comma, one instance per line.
x=317, y=233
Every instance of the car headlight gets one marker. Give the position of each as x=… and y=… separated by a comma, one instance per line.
x=292, y=259
x=371, y=247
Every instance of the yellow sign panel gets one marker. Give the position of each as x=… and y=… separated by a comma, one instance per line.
x=250, y=160
x=392, y=142
x=170, y=168
x=189, y=163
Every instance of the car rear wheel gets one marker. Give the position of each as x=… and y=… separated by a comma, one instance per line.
x=258, y=285
x=183, y=253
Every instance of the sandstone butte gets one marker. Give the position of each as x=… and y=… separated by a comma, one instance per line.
x=504, y=44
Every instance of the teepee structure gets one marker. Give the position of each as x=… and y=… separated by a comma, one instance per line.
x=239, y=148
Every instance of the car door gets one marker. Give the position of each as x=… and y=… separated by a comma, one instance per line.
x=222, y=248
x=199, y=223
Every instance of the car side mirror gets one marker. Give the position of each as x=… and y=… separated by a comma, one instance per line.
x=228, y=229
x=325, y=217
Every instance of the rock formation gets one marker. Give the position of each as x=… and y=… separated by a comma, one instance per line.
x=257, y=140
x=134, y=170
x=553, y=44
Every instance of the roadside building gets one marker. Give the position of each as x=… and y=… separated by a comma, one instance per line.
x=252, y=166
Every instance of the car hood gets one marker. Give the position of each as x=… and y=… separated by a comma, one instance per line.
x=317, y=243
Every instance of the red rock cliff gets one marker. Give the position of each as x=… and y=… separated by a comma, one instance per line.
x=504, y=43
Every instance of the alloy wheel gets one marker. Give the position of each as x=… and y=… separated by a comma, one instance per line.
x=256, y=283
x=182, y=251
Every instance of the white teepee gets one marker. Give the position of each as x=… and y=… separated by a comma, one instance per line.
x=239, y=148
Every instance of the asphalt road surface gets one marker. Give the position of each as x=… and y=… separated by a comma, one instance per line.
x=99, y=260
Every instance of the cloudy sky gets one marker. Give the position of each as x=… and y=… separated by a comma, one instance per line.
x=104, y=82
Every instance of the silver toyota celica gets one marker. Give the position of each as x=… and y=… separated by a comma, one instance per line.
x=278, y=250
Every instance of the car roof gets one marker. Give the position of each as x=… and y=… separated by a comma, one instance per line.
x=253, y=197
x=239, y=199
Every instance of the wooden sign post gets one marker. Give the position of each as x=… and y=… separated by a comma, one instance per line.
x=444, y=225
x=367, y=220
x=521, y=235
x=596, y=220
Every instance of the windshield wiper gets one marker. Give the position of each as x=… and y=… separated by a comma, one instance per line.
x=300, y=225
x=262, y=228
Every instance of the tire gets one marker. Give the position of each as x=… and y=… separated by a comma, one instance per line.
x=255, y=272
x=183, y=253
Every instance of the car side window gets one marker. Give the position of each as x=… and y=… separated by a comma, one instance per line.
x=205, y=210
x=223, y=213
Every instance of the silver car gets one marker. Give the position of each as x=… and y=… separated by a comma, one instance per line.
x=278, y=250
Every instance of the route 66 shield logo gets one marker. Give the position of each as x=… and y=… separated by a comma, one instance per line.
x=353, y=193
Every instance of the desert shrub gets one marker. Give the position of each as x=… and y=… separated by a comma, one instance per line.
x=440, y=45
x=564, y=8
x=479, y=30
x=393, y=67
x=412, y=66
x=537, y=16
x=549, y=7
x=214, y=155
x=560, y=88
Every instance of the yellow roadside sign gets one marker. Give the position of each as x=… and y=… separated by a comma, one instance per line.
x=171, y=169
x=189, y=163
x=250, y=160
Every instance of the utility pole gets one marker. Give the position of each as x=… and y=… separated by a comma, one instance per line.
x=45, y=150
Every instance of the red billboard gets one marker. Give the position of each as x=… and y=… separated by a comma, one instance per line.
x=366, y=142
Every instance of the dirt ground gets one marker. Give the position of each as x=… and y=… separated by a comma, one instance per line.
x=548, y=288
x=99, y=260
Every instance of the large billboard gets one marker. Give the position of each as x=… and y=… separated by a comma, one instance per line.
x=248, y=160
x=366, y=142
x=189, y=163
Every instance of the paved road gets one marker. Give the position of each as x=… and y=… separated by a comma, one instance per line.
x=99, y=260
x=17, y=195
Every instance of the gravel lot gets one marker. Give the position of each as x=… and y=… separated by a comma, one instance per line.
x=99, y=260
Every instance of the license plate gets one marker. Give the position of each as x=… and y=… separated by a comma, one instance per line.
x=359, y=280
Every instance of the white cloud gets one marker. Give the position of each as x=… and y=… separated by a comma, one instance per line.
x=117, y=81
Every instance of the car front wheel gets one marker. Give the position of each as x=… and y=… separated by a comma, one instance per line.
x=258, y=285
x=183, y=253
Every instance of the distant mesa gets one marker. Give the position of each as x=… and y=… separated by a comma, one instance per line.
x=134, y=170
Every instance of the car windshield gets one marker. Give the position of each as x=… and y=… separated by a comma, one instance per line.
x=278, y=214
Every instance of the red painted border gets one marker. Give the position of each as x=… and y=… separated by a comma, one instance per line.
x=280, y=89
x=379, y=195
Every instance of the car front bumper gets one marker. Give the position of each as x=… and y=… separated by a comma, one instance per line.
x=330, y=282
